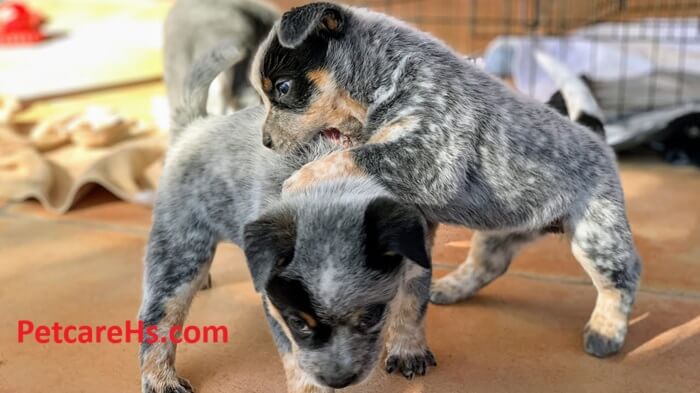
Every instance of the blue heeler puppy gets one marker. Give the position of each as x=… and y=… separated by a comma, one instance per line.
x=442, y=135
x=342, y=266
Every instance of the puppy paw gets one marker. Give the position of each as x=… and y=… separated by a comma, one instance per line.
x=181, y=386
x=295, y=182
x=599, y=345
x=449, y=290
x=332, y=166
x=410, y=365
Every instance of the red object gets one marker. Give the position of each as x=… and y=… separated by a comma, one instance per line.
x=19, y=25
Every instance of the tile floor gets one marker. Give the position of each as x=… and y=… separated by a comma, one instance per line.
x=521, y=334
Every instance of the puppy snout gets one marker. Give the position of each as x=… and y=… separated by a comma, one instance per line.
x=339, y=381
x=267, y=140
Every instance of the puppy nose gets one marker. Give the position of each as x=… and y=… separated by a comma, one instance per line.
x=267, y=141
x=339, y=381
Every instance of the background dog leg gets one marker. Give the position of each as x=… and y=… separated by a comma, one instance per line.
x=220, y=94
x=489, y=258
x=407, y=349
x=176, y=267
x=602, y=244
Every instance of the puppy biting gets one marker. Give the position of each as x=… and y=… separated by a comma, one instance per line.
x=335, y=264
x=439, y=133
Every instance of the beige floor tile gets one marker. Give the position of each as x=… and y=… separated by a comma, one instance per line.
x=520, y=334
x=61, y=272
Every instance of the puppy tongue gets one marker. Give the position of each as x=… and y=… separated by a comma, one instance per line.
x=333, y=134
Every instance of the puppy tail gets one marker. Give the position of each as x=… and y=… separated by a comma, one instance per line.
x=574, y=99
x=203, y=72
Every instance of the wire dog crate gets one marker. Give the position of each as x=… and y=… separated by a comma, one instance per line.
x=639, y=55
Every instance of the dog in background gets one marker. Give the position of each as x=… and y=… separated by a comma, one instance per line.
x=195, y=27
x=343, y=267
x=443, y=135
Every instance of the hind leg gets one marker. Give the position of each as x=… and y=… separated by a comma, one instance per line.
x=602, y=243
x=489, y=257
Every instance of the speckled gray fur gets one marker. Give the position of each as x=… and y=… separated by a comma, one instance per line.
x=469, y=151
x=219, y=184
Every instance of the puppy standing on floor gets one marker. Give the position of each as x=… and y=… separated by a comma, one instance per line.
x=441, y=134
x=343, y=267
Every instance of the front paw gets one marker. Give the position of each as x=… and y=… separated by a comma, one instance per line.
x=297, y=180
x=600, y=345
x=180, y=386
x=410, y=364
x=293, y=183
x=453, y=288
x=332, y=166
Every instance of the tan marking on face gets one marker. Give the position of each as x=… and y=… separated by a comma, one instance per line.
x=333, y=166
x=332, y=102
x=330, y=107
x=394, y=130
x=309, y=319
x=277, y=316
x=267, y=85
x=297, y=380
x=319, y=77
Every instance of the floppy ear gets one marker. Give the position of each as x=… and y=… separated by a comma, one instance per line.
x=299, y=23
x=269, y=244
x=394, y=229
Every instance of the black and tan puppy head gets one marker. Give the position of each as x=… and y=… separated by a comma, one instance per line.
x=291, y=73
x=330, y=273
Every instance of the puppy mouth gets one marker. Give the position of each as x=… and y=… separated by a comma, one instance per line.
x=334, y=135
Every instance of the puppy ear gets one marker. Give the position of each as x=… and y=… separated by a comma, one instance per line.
x=394, y=229
x=299, y=23
x=269, y=244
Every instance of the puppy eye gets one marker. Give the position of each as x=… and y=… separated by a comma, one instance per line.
x=372, y=316
x=299, y=325
x=283, y=86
